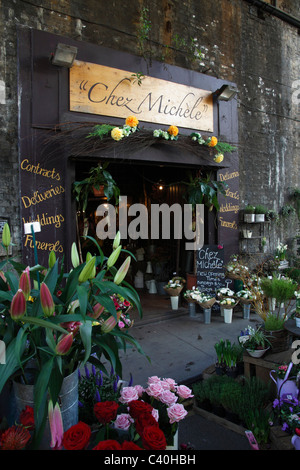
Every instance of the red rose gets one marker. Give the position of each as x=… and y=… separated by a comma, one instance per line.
x=129, y=445
x=77, y=437
x=138, y=407
x=143, y=421
x=297, y=431
x=109, y=444
x=27, y=417
x=153, y=438
x=105, y=411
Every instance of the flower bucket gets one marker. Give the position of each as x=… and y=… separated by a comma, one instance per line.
x=68, y=401
x=174, y=302
x=296, y=441
x=175, y=442
x=227, y=315
x=297, y=322
x=207, y=315
x=246, y=310
x=249, y=218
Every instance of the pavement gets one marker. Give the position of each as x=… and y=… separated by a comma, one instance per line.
x=181, y=346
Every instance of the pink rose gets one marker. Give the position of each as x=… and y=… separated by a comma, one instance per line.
x=154, y=389
x=128, y=394
x=153, y=379
x=176, y=413
x=155, y=414
x=140, y=390
x=184, y=392
x=171, y=382
x=123, y=421
x=168, y=397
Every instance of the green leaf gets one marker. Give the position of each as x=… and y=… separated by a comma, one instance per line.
x=44, y=323
x=83, y=299
x=12, y=362
x=86, y=336
x=40, y=394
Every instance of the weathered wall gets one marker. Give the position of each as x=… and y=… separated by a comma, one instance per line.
x=228, y=39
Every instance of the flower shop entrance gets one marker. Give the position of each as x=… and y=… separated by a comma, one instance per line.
x=157, y=259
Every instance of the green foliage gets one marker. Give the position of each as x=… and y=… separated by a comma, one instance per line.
x=224, y=147
x=249, y=209
x=101, y=131
x=280, y=289
x=260, y=209
x=258, y=421
x=205, y=191
x=273, y=322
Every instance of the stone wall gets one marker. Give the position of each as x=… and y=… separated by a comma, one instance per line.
x=229, y=39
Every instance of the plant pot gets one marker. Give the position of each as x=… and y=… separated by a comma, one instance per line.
x=259, y=217
x=68, y=401
x=279, y=340
x=232, y=372
x=257, y=352
x=247, y=233
x=227, y=315
x=174, y=302
x=98, y=192
x=219, y=369
x=296, y=441
x=249, y=218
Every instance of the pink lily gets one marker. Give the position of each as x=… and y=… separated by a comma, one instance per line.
x=24, y=283
x=97, y=310
x=47, y=302
x=18, y=305
x=56, y=426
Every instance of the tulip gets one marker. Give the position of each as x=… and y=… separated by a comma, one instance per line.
x=6, y=235
x=74, y=256
x=47, y=302
x=114, y=256
x=122, y=271
x=88, y=271
x=56, y=425
x=64, y=344
x=24, y=283
x=18, y=305
x=117, y=240
x=51, y=259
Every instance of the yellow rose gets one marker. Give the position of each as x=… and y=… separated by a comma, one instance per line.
x=219, y=158
x=173, y=130
x=131, y=121
x=117, y=133
x=213, y=142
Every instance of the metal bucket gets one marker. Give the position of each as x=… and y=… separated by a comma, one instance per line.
x=68, y=401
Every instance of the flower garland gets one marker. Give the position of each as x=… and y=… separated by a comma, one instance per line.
x=131, y=126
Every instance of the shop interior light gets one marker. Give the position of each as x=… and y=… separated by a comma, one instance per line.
x=64, y=55
x=226, y=93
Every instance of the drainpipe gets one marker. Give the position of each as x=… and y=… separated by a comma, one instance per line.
x=276, y=12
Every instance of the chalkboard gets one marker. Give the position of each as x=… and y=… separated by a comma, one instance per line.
x=210, y=268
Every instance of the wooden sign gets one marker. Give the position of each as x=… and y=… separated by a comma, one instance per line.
x=107, y=91
x=210, y=269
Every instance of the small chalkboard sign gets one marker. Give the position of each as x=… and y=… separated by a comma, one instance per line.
x=210, y=268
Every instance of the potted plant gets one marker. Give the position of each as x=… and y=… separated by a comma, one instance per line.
x=260, y=212
x=297, y=313
x=173, y=289
x=220, y=363
x=272, y=215
x=48, y=322
x=249, y=214
x=227, y=305
x=247, y=233
x=255, y=341
x=285, y=381
x=98, y=178
x=281, y=250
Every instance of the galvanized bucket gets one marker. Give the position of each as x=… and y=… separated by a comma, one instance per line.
x=68, y=401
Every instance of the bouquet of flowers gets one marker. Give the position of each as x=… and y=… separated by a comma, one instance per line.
x=224, y=292
x=206, y=300
x=234, y=269
x=245, y=296
x=287, y=411
x=228, y=302
x=192, y=294
x=281, y=250
x=175, y=286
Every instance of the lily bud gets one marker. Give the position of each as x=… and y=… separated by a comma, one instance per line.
x=122, y=271
x=110, y=323
x=64, y=344
x=114, y=256
x=6, y=235
x=18, y=305
x=25, y=284
x=97, y=310
x=74, y=256
x=117, y=240
x=51, y=259
x=47, y=302
x=88, y=271
x=56, y=425
x=88, y=257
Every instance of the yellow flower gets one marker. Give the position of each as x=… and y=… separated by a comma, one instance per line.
x=213, y=142
x=219, y=158
x=117, y=133
x=132, y=121
x=173, y=130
